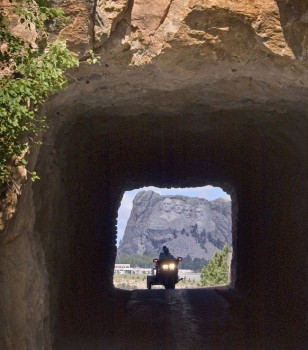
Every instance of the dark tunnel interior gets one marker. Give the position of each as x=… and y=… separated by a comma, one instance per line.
x=95, y=160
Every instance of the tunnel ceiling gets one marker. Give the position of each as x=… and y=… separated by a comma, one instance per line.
x=180, y=56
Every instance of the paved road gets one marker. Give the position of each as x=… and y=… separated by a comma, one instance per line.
x=158, y=319
x=182, y=319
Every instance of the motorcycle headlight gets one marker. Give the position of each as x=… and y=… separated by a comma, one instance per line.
x=171, y=266
x=165, y=267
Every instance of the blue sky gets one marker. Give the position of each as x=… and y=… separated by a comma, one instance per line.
x=207, y=192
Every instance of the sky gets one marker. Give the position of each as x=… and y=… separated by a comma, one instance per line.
x=208, y=192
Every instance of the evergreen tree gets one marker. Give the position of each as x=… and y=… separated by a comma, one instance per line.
x=217, y=271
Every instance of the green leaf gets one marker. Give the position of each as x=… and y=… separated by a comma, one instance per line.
x=37, y=74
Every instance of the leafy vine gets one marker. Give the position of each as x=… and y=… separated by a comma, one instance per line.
x=30, y=71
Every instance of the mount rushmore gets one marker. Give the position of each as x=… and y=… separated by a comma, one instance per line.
x=187, y=225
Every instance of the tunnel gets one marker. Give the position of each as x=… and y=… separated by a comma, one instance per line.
x=88, y=162
x=219, y=105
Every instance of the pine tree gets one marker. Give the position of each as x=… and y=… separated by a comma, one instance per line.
x=217, y=271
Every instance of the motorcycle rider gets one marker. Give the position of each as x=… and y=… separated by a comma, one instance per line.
x=165, y=272
x=165, y=254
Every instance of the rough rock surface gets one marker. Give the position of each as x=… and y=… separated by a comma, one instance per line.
x=178, y=56
x=188, y=226
x=193, y=93
x=9, y=195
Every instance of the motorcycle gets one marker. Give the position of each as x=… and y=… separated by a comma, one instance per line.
x=165, y=273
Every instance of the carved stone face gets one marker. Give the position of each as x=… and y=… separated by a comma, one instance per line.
x=199, y=213
x=167, y=204
x=188, y=211
x=178, y=206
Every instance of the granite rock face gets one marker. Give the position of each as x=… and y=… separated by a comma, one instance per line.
x=178, y=56
x=187, y=225
x=188, y=92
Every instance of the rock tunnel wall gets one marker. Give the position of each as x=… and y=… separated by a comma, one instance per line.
x=88, y=162
x=196, y=93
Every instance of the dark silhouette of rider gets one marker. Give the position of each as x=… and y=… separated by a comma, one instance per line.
x=165, y=254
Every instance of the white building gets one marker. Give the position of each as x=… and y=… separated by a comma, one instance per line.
x=121, y=269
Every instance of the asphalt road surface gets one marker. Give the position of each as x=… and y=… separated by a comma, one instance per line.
x=180, y=319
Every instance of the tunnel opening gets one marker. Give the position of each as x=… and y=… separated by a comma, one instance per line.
x=79, y=228
x=95, y=162
x=194, y=223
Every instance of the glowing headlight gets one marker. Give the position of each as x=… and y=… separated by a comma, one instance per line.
x=171, y=266
x=165, y=267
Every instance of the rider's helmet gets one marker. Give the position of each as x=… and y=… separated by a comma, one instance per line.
x=165, y=249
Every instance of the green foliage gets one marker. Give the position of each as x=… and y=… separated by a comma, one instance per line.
x=92, y=57
x=145, y=261
x=217, y=271
x=30, y=72
x=196, y=264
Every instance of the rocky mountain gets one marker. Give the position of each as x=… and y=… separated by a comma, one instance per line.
x=187, y=225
